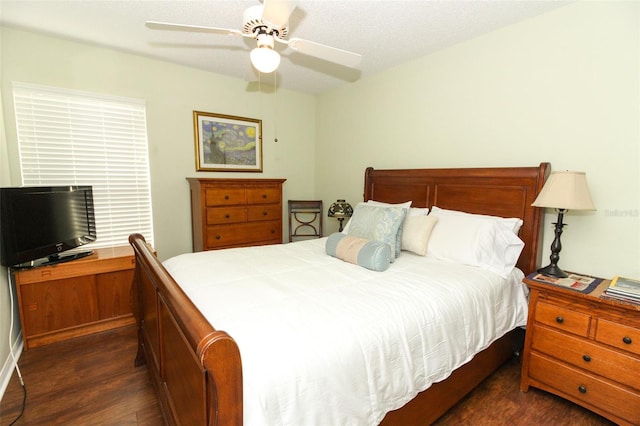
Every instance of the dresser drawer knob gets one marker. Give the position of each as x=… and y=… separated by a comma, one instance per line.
x=218, y=237
x=226, y=197
x=227, y=216
x=582, y=389
x=264, y=213
x=587, y=358
x=559, y=320
x=264, y=196
x=273, y=231
x=627, y=340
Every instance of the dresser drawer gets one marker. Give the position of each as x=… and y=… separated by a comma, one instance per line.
x=221, y=215
x=265, y=195
x=266, y=212
x=618, y=335
x=225, y=196
x=243, y=233
x=563, y=319
x=587, y=388
x=587, y=355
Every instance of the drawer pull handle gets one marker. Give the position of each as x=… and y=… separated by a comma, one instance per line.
x=227, y=216
x=582, y=389
x=217, y=237
x=264, y=213
x=559, y=320
x=226, y=197
x=273, y=231
x=587, y=358
x=627, y=340
x=264, y=196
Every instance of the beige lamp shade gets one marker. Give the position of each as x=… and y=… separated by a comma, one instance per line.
x=565, y=190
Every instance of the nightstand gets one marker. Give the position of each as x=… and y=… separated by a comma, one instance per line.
x=584, y=348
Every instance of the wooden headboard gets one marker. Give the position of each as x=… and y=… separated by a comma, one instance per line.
x=504, y=191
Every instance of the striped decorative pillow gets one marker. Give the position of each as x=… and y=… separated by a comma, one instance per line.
x=370, y=254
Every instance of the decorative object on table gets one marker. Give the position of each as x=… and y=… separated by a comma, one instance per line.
x=563, y=191
x=225, y=143
x=340, y=210
x=625, y=289
x=305, y=219
x=581, y=283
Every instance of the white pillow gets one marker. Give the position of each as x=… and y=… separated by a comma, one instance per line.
x=484, y=243
x=513, y=223
x=416, y=232
x=418, y=211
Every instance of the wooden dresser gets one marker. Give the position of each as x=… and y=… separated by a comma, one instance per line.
x=76, y=298
x=585, y=349
x=235, y=212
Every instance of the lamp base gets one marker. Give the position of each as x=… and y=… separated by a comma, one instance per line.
x=553, y=271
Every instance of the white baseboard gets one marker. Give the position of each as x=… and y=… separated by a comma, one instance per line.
x=9, y=365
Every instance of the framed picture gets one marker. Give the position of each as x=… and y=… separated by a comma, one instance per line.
x=225, y=143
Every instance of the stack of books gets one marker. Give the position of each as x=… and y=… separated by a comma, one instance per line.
x=625, y=289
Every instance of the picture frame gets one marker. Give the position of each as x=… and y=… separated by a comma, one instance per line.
x=227, y=143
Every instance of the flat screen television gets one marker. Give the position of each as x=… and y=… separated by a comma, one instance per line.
x=39, y=224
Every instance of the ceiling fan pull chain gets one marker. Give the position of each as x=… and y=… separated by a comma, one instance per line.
x=275, y=107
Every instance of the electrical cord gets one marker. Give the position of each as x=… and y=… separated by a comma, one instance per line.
x=15, y=361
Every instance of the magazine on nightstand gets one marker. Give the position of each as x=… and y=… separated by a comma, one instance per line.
x=581, y=283
x=627, y=289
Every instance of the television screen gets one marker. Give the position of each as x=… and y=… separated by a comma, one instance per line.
x=45, y=222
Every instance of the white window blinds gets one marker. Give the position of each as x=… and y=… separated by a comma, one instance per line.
x=69, y=137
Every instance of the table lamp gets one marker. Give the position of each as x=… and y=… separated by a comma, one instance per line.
x=340, y=210
x=563, y=191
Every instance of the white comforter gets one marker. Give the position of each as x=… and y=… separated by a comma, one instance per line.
x=324, y=342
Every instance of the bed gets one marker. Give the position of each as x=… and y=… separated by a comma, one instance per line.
x=197, y=368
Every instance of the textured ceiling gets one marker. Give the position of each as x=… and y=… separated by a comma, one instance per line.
x=386, y=32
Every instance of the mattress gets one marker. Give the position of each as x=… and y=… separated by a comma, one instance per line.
x=326, y=342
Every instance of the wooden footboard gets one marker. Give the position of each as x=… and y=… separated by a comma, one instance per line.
x=195, y=369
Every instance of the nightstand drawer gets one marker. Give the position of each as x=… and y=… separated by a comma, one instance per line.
x=589, y=389
x=589, y=356
x=618, y=335
x=563, y=319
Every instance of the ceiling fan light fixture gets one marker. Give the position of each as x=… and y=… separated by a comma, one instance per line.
x=265, y=59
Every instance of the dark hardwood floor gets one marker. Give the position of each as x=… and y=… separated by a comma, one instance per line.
x=92, y=381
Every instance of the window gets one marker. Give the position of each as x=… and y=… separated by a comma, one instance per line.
x=68, y=137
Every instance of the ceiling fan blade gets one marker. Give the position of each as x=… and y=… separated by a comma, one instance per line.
x=191, y=28
x=331, y=54
x=276, y=12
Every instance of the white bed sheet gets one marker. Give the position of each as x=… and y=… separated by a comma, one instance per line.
x=325, y=342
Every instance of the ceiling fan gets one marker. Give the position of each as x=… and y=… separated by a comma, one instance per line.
x=269, y=23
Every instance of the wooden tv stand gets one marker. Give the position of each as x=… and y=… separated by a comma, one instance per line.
x=76, y=298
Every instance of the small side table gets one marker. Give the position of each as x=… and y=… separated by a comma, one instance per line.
x=584, y=348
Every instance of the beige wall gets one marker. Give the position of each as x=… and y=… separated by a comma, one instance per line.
x=171, y=93
x=7, y=294
x=562, y=87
